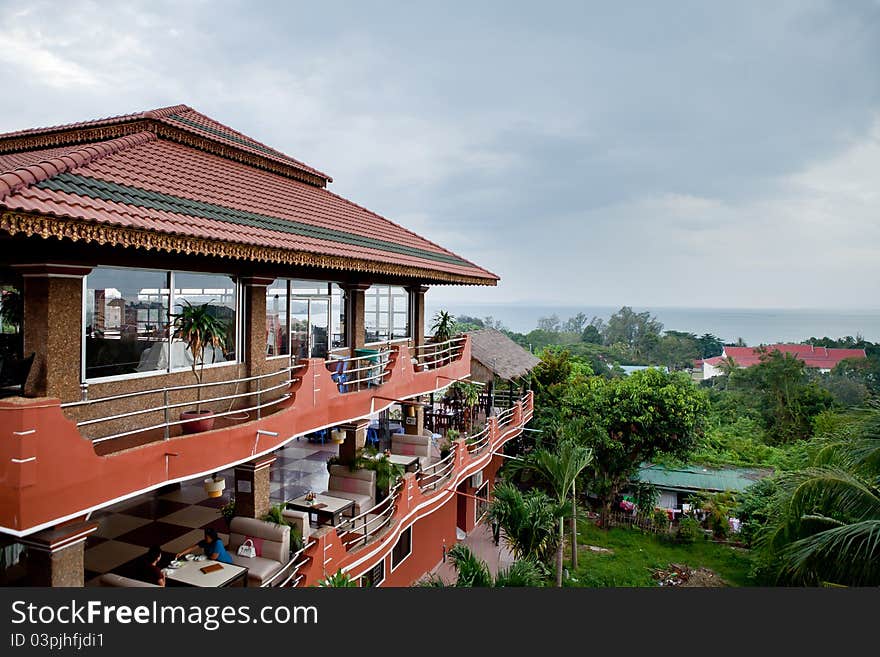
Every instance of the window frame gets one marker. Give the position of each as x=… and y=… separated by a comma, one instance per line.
x=238, y=306
x=375, y=584
x=407, y=531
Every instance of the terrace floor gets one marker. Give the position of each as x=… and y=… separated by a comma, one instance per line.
x=175, y=517
x=479, y=540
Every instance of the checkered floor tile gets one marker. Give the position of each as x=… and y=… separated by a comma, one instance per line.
x=175, y=518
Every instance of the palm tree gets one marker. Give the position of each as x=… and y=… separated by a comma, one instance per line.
x=559, y=470
x=827, y=520
x=527, y=521
x=727, y=365
x=198, y=328
x=443, y=327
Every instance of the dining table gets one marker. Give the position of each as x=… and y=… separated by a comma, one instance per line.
x=205, y=573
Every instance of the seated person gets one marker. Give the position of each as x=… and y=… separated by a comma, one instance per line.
x=150, y=571
x=213, y=547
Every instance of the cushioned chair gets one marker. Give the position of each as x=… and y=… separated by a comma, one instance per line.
x=299, y=519
x=273, y=547
x=112, y=579
x=340, y=377
x=358, y=486
x=407, y=445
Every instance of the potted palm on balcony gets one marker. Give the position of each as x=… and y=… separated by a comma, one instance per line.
x=198, y=327
x=444, y=331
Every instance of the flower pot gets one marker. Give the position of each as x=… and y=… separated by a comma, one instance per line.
x=214, y=487
x=200, y=421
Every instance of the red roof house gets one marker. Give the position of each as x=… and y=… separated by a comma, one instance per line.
x=821, y=358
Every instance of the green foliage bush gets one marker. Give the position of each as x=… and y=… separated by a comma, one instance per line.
x=688, y=531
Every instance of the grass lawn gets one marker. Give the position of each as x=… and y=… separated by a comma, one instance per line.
x=635, y=554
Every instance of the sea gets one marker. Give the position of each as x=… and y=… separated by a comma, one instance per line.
x=754, y=326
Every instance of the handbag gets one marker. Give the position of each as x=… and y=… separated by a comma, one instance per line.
x=247, y=549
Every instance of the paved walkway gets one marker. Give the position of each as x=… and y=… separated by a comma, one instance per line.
x=497, y=557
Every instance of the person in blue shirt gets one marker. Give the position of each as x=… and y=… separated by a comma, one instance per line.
x=213, y=547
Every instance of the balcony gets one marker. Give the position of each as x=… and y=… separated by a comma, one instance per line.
x=359, y=543
x=59, y=462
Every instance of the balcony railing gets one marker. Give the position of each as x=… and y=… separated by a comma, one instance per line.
x=432, y=355
x=356, y=373
x=361, y=528
x=442, y=476
x=290, y=574
x=167, y=406
x=433, y=475
x=477, y=442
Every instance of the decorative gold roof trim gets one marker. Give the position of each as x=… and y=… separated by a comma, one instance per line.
x=101, y=133
x=44, y=226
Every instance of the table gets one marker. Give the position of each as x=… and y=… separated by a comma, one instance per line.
x=189, y=574
x=323, y=506
x=409, y=463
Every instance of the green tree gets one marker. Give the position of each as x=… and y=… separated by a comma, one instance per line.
x=527, y=521
x=575, y=324
x=710, y=345
x=790, y=400
x=639, y=331
x=825, y=524
x=591, y=335
x=559, y=470
x=632, y=420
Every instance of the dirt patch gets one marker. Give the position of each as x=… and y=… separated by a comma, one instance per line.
x=685, y=576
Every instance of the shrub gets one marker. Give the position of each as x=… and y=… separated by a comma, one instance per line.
x=688, y=531
x=661, y=520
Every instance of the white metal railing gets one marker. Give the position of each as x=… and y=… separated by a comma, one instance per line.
x=437, y=354
x=505, y=416
x=429, y=477
x=351, y=534
x=167, y=406
x=478, y=441
x=351, y=375
x=290, y=570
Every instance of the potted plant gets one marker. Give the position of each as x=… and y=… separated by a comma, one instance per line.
x=444, y=330
x=276, y=514
x=198, y=327
x=228, y=511
x=446, y=446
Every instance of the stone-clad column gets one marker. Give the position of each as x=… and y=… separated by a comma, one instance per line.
x=55, y=557
x=53, y=330
x=254, y=290
x=414, y=418
x=252, y=487
x=355, y=329
x=417, y=313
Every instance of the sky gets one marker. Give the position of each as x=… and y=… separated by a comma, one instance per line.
x=651, y=154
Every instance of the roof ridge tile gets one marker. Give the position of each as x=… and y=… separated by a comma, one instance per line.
x=12, y=181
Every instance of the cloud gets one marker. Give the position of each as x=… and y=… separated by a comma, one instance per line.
x=645, y=154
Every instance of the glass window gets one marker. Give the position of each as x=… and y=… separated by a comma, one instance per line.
x=219, y=293
x=128, y=319
x=402, y=548
x=126, y=323
x=277, y=325
x=386, y=310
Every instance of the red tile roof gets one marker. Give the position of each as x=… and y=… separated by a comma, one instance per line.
x=818, y=357
x=156, y=181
